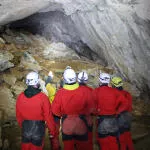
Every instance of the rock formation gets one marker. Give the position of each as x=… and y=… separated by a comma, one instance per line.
x=116, y=32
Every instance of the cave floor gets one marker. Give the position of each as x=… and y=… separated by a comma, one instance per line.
x=140, y=134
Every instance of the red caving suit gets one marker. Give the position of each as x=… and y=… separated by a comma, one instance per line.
x=73, y=103
x=90, y=118
x=125, y=134
x=109, y=103
x=31, y=112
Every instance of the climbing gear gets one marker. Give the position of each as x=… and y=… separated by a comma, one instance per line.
x=116, y=82
x=82, y=77
x=124, y=121
x=74, y=127
x=104, y=78
x=33, y=132
x=107, y=126
x=125, y=138
x=32, y=78
x=69, y=76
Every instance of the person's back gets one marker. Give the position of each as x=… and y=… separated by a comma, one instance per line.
x=72, y=104
x=109, y=103
x=72, y=101
x=51, y=90
x=32, y=110
x=124, y=118
x=29, y=106
x=83, y=81
x=129, y=98
x=108, y=100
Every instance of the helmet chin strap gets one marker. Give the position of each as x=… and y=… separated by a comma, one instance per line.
x=82, y=78
x=103, y=84
x=70, y=83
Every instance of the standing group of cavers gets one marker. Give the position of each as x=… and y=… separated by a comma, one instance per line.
x=72, y=108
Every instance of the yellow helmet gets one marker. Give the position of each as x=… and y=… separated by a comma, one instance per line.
x=116, y=81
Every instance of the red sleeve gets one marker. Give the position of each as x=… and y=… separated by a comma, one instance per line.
x=47, y=114
x=18, y=115
x=56, y=105
x=122, y=102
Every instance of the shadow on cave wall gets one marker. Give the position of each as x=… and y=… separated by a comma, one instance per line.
x=57, y=27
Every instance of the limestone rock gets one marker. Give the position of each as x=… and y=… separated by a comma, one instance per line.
x=18, y=88
x=15, y=72
x=9, y=79
x=7, y=101
x=28, y=62
x=116, y=30
x=132, y=89
x=59, y=50
x=5, y=58
x=2, y=41
x=13, y=9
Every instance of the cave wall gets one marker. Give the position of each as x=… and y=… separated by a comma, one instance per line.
x=57, y=27
x=122, y=36
x=118, y=31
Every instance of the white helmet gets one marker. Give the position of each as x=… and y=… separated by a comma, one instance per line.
x=104, y=78
x=32, y=78
x=82, y=77
x=69, y=76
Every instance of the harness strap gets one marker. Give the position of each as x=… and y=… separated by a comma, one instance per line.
x=33, y=131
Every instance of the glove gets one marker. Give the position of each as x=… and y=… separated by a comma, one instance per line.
x=50, y=135
x=50, y=74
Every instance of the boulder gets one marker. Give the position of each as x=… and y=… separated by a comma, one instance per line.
x=5, y=58
x=9, y=79
x=7, y=102
x=29, y=63
x=60, y=51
